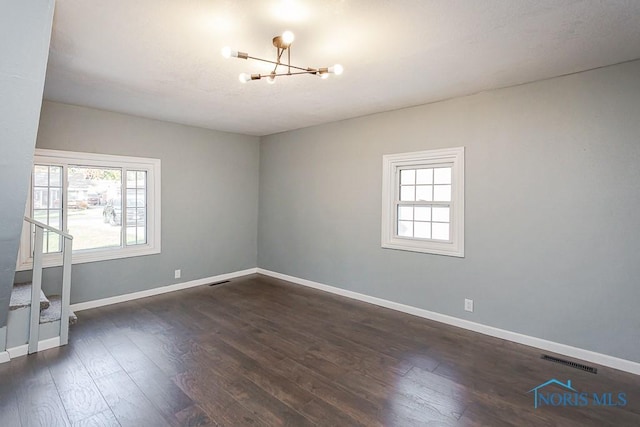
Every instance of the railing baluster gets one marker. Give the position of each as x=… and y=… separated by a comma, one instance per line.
x=36, y=286
x=66, y=290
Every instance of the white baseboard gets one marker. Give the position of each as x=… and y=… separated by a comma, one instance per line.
x=578, y=353
x=4, y=356
x=21, y=350
x=160, y=290
x=49, y=343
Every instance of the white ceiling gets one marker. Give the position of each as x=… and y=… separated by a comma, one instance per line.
x=161, y=58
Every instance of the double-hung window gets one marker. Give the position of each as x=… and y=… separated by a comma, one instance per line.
x=423, y=201
x=109, y=204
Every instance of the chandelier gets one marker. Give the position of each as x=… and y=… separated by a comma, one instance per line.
x=282, y=44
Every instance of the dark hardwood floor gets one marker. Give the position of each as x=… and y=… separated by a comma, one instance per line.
x=260, y=351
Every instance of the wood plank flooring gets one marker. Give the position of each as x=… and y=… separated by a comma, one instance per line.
x=262, y=352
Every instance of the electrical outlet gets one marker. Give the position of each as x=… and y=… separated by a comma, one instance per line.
x=177, y=274
x=468, y=305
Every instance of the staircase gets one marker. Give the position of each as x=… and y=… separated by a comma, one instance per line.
x=20, y=313
x=29, y=330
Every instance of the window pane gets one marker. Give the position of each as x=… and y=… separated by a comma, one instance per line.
x=405, y=212
x=95, y=207
x=440, y=214
x=55, y=219
x=131, y=198
x=422, y=230
x=424, y=193
x=53, y=243
x=422, y=213
x=55, y=201
x=40, y=176
x=41, y=215
x=440, y=231
x=40, y=198
x=407, y=193
x=133, y=217
x=55, y=176
x=442, y=175
x=140, y=198
x=442, y=193
x=131, y=236
x=424, y=176
x=405, y=228
x=141, y=233
x=142, y=179
x=407, y=176
x=131, y=179
x=141, y=217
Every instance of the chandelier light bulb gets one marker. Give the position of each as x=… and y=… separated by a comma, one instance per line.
x=226, y=52
x=324, y=76
x=288, y=37
x=244, y=77
x=337, y=69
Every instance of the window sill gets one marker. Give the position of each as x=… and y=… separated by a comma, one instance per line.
x=435, y=248
x=91, y=256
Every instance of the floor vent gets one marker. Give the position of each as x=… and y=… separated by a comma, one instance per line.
x=219, y=283
x=571, y=364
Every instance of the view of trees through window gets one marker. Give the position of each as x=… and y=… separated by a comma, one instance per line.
x=90, y=195
x=93, y=206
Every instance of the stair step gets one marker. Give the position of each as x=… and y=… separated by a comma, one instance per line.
x=54, y=311
x=21, y=297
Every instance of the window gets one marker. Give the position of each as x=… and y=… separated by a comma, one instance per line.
x=423, y=201
x=110, y=204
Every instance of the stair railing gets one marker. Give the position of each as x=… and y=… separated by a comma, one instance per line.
x=67, y=247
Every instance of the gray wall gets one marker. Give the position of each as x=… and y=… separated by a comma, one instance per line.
x=209, y=197
x=25, y=32
x=552, y=208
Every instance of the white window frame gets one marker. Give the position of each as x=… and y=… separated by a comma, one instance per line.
x=153, y=211
x=391, y=166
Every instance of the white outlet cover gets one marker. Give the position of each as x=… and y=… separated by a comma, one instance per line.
x=468, y=305
x=177, y=274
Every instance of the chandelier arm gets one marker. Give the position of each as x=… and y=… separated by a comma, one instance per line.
x=278, y=56
x=288, y=74
x=274, y=62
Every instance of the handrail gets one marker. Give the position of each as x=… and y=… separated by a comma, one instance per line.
x=48, y=227
x=36, y=286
